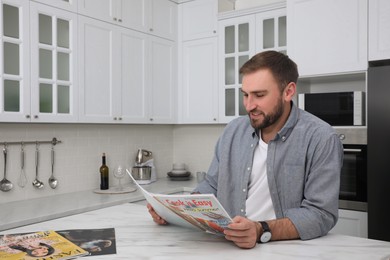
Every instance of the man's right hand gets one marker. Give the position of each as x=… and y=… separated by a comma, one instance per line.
x=156, y=218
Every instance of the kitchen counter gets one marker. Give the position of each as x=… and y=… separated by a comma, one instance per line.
x=20, y=213
x=138, y=237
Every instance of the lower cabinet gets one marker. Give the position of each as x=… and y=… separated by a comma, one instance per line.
x=351, y=223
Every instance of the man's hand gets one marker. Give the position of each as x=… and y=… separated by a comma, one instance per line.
x=156, y=218
x=243, y=232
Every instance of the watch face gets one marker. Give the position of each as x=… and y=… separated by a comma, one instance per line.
x=265, y=237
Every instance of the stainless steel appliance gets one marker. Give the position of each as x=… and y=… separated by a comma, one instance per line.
x=353, y=179
x=336, y=108
x=378, y=152
x=144, y=171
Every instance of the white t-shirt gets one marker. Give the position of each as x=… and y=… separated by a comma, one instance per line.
x=259, y=204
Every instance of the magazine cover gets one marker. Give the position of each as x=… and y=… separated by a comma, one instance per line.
x=38, y=246
x=95, y=241
x=202, y=211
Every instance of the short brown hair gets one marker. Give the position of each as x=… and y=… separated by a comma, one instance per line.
x=281, y=66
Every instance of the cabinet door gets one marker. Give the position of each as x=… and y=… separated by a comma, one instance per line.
x=54, y=94
x=237, y=45
x=327, y=36
x=134, y=14
x=162, y=84
x=351, y=223
x=379, y=29
x=70, y=5
x=163, y=19
x=98, y=70
x=14, y=61
x=101, y=9
x=271, y=31
x=199, y=19
x=133, y=83
x=199, y=99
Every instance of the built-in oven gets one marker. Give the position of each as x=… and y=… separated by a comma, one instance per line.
x=353, y=179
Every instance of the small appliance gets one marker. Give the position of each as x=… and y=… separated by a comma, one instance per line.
x=144, y=171
x=336, y=108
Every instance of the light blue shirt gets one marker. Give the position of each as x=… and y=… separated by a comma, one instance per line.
x=304, y=161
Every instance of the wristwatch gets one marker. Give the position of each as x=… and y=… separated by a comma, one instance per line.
x=266, y=235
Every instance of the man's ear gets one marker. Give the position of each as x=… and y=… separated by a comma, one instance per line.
x=289, y=91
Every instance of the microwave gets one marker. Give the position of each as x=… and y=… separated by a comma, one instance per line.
x=335, y=108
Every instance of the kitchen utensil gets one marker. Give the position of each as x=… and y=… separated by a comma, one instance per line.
x=143, y=156
x=5, y=185
x=37, y=183
x=22, y=181
x=53, y=182
x=184, y=174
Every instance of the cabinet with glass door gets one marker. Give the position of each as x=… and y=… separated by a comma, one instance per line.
x=242, y=37
x=69, y=5
x=53, y=64
x=14, y=61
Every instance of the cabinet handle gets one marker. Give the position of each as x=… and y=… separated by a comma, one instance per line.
x=27, y=116
x=115, y=19
x=151, y=29
x=115, y=118
x=119, y=118
x=151, y=119
x=214, y=31
x=35, y=116
x=215, y=119
x=120, y=20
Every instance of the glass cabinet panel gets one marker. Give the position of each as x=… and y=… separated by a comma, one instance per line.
x=45, y=98
x=230, y=39
x=230, y=71
x=63, y=99
x=241, y=107
x=282, y=31
x=11, y=58
x=63, y=66
x=241, y=61
x=45, y=64
x=230, y=102
x=268, y=33
x=45, y=29
x=243, y=37
x=62, y=33
x=11, y=96
x=11, y=21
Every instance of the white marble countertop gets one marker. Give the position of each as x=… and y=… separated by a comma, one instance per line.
x=20, y=213
x=138, y=237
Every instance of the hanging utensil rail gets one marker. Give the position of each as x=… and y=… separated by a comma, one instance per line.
x=54, y=141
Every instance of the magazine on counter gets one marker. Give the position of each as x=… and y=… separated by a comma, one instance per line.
x=38, y=246
x=202, y=211
x=95, y=241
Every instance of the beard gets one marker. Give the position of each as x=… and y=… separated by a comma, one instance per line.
x=268, y=119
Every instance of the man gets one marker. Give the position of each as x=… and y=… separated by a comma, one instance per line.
x=278, y=170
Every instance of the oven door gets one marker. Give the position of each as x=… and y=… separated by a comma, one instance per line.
x=353, y=179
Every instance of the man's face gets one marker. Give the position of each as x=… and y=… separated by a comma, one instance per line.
x=262, y=98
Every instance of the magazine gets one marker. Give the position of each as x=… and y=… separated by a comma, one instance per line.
x=38, y=246
x=95, y=241
x=202, y=211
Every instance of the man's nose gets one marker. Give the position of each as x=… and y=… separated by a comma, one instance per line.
x=249, y=103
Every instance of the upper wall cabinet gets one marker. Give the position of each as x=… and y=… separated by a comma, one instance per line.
x=379, y=30
x=157, y=17
x=327, y=37
x=53, y=64
x=15, y=61
x=70, y=5
x=199, y=19
x=241, y=37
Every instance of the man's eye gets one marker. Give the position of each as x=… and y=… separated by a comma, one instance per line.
x=259, y=95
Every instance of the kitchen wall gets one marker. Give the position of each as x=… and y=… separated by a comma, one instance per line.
x=78, y=157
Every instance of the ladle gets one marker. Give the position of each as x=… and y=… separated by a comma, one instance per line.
x=5, y=185
x=53, y=182
x=37, y=183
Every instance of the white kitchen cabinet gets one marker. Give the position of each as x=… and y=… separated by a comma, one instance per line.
x=69, y=5
x=162, y=69
x=14, y=61
x=54, y=94
x=198, y=19
x=242, y=35
x=327, y=37
x=379, y=30
x=127, y=76
x=157, y=17
x=351, y=223
x=199, y=89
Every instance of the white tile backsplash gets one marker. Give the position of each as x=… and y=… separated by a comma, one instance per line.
x=78, y=157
